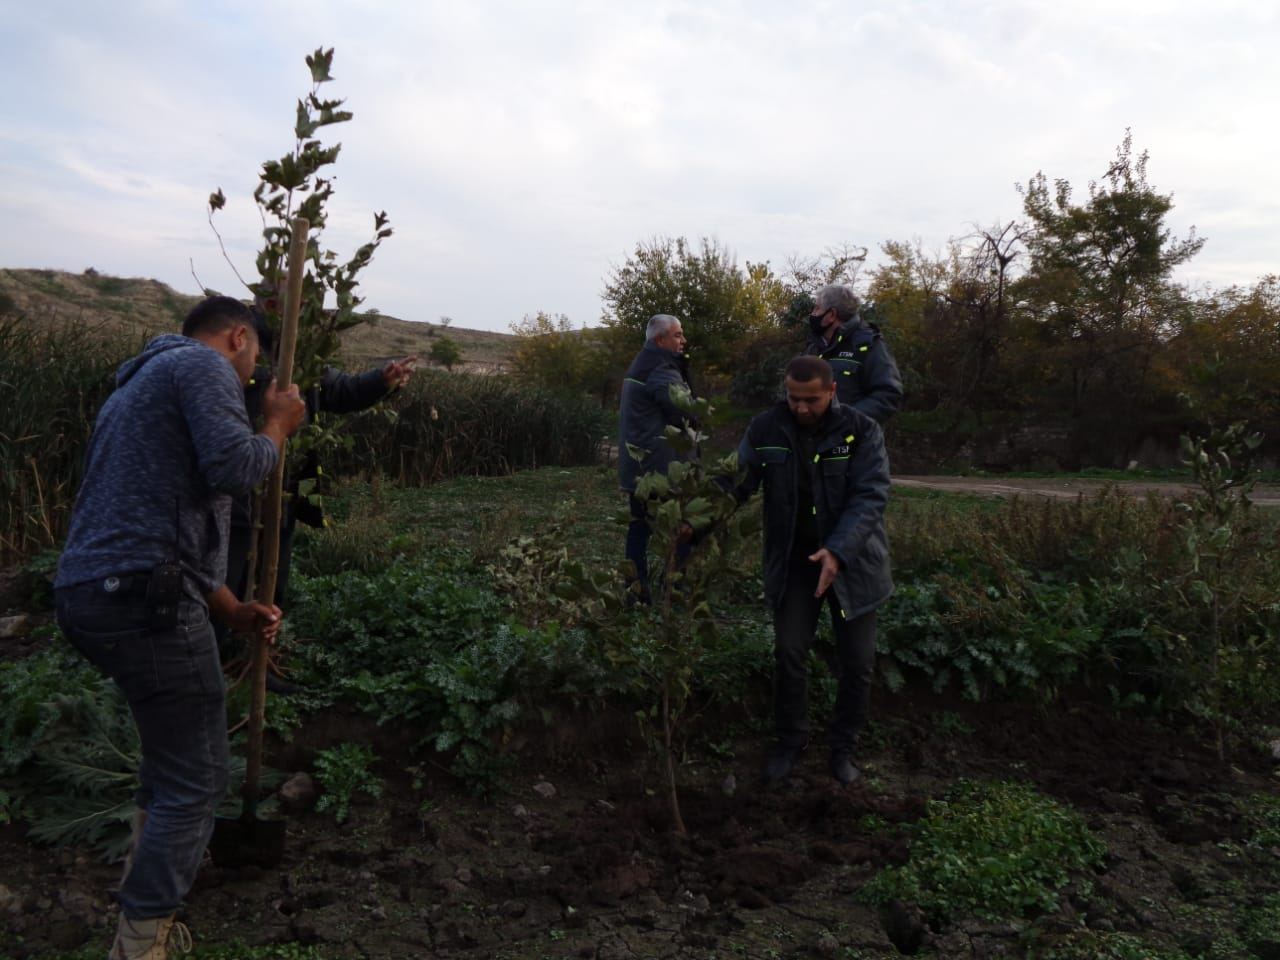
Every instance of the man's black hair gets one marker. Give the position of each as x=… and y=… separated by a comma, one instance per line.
x=805, y=369
x=216, y=314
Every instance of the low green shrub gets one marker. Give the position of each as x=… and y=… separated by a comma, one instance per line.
x=428, y=646
x=342, y=772
x=399, y=617
x=1262, y=813
x=1022, y=635
x=69, y=753
x=1261, y=928
x=27, y=687
x=996, y=850
x=1025, y=598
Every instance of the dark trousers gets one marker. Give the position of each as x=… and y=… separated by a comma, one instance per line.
x=794, y=624
x=173, y=683
x=637, y=546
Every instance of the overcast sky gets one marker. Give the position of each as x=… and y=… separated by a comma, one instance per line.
x=521, y=149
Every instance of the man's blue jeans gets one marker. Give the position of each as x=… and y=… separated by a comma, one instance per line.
x=173, y=683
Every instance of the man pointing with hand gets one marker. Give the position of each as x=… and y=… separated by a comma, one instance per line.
x=826, y=483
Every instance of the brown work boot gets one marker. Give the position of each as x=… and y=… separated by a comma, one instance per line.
x=149, y=939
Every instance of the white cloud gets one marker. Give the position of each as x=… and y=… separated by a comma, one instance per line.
x=522, y=149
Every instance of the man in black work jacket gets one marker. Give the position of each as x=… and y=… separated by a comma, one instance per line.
x=826, y=484
x=645, y=410
x=866, y=375
x=337, y=392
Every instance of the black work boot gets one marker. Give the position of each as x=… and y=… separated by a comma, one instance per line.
x=842, y=768
x=781, y=760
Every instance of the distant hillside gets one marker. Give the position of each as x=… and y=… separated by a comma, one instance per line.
x=132, y=304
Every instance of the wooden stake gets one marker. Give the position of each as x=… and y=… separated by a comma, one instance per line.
x=271, y=520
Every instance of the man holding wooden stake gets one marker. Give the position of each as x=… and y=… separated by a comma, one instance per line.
x=144, y=569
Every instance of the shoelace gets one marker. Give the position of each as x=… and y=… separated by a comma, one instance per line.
x=182, y=935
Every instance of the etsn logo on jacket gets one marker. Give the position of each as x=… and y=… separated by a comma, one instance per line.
x=839, y=451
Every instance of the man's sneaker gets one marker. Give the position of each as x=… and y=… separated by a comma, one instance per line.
x=780, y=762
x=842, y=768
x=152, y=939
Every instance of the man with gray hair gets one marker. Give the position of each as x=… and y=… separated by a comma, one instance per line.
x=867, y=377
x=646, y=410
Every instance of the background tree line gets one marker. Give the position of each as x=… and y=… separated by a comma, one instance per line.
x=1067, y=321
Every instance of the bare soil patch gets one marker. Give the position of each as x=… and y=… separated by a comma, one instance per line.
x=595, y=871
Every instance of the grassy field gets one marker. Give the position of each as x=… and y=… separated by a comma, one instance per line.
x=477, y=514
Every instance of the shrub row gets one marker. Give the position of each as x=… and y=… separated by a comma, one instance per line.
x=455, y=424
x=52, y=382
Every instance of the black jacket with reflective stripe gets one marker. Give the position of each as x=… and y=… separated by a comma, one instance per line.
x=646, y=410
x=850, y=476
x=867, y=376
x=336, y=392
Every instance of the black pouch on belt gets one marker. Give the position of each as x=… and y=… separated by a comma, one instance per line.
x=164, y=593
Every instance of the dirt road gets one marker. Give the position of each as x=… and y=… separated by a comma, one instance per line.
x=1063, y=488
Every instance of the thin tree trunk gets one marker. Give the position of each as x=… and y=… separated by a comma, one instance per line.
x=667, y=726
x=674, y=795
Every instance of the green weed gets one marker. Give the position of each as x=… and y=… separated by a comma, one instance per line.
x=1262, y=812
x=342, y=772
x=1091, y=945
x=995, y=850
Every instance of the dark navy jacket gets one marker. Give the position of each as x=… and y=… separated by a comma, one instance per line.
x=170, y=448
x=646, y=410
x=867, y=377
x=849, y=474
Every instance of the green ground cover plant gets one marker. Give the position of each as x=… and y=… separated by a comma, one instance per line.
x=1263, y=814
x=427, y=644
x=1000, y=598
x=1091, y=945
x=342, y=772
x=440, y=610
x=1261, y=928
x=994, y=850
